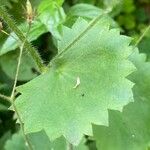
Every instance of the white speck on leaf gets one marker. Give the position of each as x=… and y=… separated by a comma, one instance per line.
x=133, y=135
x=26, y=144
x=77, y=83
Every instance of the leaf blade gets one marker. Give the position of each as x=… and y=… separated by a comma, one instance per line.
x=107, y=68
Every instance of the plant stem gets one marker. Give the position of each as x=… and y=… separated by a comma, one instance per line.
x=140, y=39
x=5, y=97
x=28, y=144
x=142, y=36
x=9, y=34
x=33, y=52
x=12, y=97
x=19, y=63
x=17, y=72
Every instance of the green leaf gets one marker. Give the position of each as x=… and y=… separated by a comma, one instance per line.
x=128, y=21
x=39, y=141
x=16, y=143
x=62, y=144
x=2, y=86
x=128, y=6
x=9, y=62
x=3, y=103
x=81, y=146
x=87, y=12
x=3, y=107
x=7, y=3
x=114, y=5
x=51, y=14
x=144, y=46
x=11, y=43
x=59, y=143
x=130, y=130
x=85, y=79
x=22, y=37
x=4, y=138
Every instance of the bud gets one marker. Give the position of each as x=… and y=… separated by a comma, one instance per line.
x=1, y=26
x=29, y=12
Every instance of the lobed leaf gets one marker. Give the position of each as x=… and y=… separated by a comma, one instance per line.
x=86, y=78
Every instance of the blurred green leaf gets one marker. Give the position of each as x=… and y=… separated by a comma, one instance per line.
x=128, y=6
x=62, y=144
x=52, y=15
x=7, y=3
x=114, y=5
x=144, y=46
x=3, y=107
x=128, y=21
x=12, y=41
x=9, y=61
x=4, y=138
x=38, y=140
x=87, y=12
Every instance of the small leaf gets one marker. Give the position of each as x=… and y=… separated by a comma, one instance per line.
x=99, y=57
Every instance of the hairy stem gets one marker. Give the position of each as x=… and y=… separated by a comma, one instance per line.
x=33, y=52
x=12, y=97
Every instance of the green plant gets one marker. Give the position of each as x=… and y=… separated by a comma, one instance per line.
x=92, y=94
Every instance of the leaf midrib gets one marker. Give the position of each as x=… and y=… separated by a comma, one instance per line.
x=93, y=22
